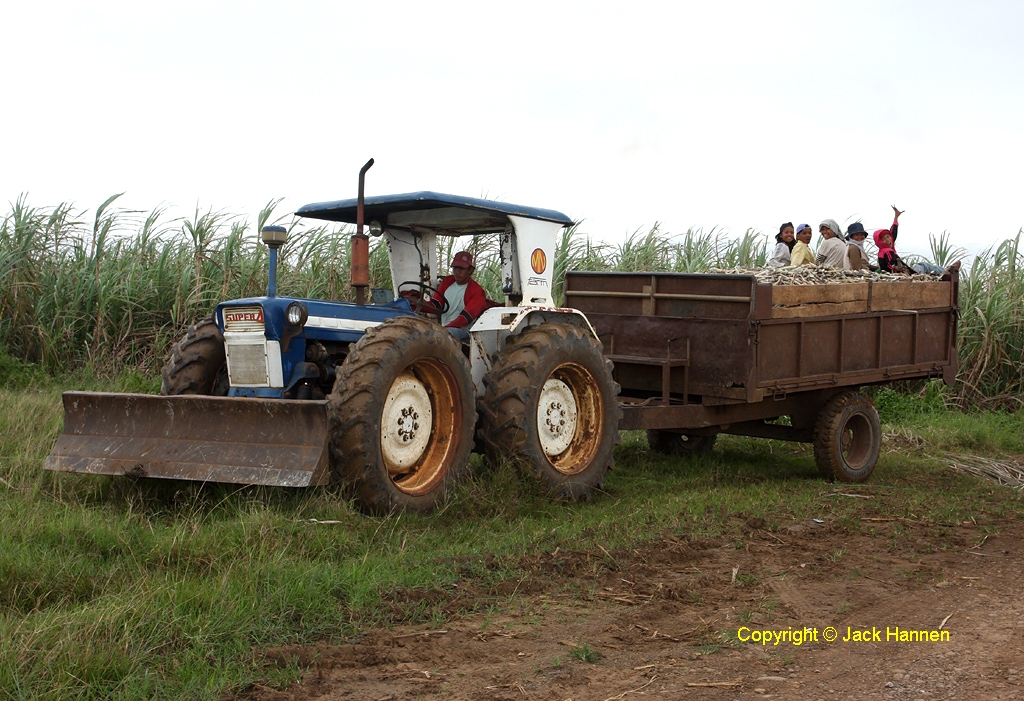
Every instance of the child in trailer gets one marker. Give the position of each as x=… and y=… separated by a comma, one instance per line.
x=785, y=243
x=856, y=258
x=832, y=249
x=889, y=261
x=801, y=254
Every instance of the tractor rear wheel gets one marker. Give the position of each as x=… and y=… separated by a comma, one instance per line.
x=675, y=443
x=402, y=415
x=847, y=438
x=550, y=400
x=198, y=364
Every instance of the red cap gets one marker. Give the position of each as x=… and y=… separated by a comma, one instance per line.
x=462, y=259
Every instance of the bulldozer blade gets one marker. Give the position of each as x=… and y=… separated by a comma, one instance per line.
x=190, y=437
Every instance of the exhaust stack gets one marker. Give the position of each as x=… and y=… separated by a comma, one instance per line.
x=360, y=257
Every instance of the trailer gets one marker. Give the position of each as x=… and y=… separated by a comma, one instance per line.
x=697, y=355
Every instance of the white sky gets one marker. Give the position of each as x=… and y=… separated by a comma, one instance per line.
x=727, y=114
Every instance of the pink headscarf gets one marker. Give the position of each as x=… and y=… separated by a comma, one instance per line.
x=882, y=248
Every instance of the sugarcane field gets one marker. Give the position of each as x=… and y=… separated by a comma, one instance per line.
x=565, y=351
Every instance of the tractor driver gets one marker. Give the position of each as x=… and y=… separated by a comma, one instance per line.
x=466, y=299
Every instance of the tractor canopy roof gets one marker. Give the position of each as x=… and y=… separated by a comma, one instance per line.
x=432, y=210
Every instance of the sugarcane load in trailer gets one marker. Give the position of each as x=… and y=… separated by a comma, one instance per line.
x=377, y=395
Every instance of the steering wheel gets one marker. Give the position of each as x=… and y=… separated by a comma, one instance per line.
x=421, y=298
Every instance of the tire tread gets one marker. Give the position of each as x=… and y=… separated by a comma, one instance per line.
x=354, y=420
x=505, y=415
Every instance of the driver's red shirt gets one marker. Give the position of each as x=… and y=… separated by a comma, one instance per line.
x=474, y=303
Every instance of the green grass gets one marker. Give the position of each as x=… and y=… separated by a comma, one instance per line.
x=585, y=653
x=115, y=589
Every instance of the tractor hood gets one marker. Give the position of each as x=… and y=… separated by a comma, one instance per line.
x=447, y=214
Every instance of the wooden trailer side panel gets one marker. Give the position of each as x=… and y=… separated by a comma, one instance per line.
x=688, y=333
x=723, y=339
x=874, y=347
x=719, y=352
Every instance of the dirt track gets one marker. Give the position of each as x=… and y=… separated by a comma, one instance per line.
x=660, y=619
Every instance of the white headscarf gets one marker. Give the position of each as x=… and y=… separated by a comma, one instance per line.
x=831, y=224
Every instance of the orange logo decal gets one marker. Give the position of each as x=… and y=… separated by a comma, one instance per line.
x=539, y=261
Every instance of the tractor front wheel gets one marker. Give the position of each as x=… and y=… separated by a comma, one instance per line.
x=402, y=415
x=198, y=364
x=550, y=400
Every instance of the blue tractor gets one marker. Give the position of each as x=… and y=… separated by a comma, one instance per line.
x=374, y=394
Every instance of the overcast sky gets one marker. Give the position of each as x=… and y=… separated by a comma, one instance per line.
x=704, y=114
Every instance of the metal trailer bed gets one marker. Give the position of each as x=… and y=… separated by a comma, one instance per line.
x=702, y=354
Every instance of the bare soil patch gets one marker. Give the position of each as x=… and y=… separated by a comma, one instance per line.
x=661, y=622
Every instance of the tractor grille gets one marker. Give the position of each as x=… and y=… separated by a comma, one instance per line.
x=246, y=346
x=247, y=362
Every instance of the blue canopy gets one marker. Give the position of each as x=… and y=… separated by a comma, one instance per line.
x=433, y=210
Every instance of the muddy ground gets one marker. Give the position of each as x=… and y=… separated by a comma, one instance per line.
x=661, y=622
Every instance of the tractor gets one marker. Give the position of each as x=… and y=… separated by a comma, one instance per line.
x=373, y=394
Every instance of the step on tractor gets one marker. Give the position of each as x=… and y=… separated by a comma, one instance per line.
x=374, y=394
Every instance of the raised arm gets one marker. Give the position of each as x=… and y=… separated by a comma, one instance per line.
x=895, y=221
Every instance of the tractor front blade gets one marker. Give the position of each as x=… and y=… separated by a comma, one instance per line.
x=191, y=437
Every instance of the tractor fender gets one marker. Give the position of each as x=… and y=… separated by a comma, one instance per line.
x=515, y=320
x=531, y=316
x=491, y=331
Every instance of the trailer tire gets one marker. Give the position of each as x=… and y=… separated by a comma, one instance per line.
x=401, y=416
x=198, y=364
x=553, y=373
x=847, y=438
x=675, y=443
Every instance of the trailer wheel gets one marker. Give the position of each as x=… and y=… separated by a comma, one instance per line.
x=550, y=401
x=402, y=415
x=847, y=438
x=674, y=443
x=198, y=364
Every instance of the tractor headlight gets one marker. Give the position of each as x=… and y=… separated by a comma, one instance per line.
x=296, y=314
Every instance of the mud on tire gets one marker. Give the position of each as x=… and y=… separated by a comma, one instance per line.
x=401, y=416
x=675, y=443
x=550, y=401
x=847, y=438
x=198, y=364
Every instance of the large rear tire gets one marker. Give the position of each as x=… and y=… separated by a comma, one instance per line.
x=402, y=415
x=847, y=438
x=198, y=364
x=675, y=443
x=550, y=400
